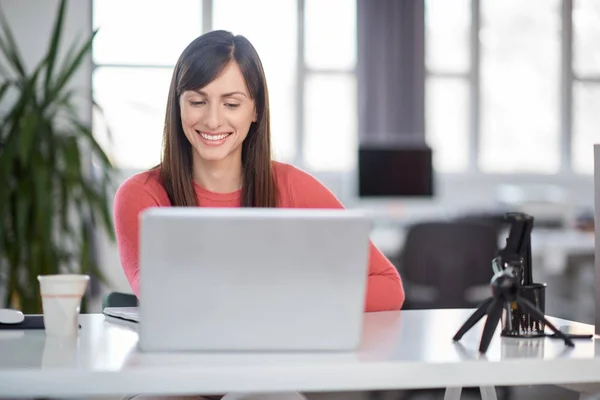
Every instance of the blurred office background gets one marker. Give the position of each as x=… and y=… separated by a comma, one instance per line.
x=478, y=106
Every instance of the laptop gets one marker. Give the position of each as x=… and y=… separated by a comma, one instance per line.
x=252, y=279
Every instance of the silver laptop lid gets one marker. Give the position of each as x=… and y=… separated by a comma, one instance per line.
x=252, y=278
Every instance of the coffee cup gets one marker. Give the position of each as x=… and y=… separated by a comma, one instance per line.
x=61, y=300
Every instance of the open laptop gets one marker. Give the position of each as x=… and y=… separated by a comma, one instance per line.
x=252, y=279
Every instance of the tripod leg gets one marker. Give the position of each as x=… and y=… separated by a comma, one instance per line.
x=537, y=314
x=494, y=313
x=473, y=319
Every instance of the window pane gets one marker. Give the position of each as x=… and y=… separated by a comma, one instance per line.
x=447, y=122
x=153, y=32
x=586, y=133
x=520, y=125
x=134, y=111
x=447, y=29
x=271, y=27
x=330, y=124
x=586, y=37
x=330, y=43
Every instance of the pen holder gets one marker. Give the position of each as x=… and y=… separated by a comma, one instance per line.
x=516, y=322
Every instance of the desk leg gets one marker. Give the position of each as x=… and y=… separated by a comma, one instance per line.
x=488, y=393
x=452, y=393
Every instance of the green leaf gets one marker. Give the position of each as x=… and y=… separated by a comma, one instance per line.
x=68, y=69
x=22, y=201
x=72, y=157
x=9, y=47
x=54, y=42
x=27, y=134
x=4, y=88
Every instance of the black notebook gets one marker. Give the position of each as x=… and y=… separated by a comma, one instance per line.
x=33, y=321
x=30, y=322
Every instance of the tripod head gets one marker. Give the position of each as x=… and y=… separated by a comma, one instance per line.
x=517, y=252
x=512, y=267
x=506, y=284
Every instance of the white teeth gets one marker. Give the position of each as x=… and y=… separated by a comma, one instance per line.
x=214, y=137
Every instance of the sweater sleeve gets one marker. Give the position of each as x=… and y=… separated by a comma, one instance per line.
x=384, y=289
x=131, y=199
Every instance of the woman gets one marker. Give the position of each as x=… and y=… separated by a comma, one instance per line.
x=217, y=153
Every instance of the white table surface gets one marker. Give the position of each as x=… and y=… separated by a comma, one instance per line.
x=400, y=350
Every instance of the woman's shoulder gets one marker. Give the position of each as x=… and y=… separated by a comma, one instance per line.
x=142, y=185
x=288, y=172
x=299, y=188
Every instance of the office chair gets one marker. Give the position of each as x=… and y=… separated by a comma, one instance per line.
x=118, y=299
x=447, y=264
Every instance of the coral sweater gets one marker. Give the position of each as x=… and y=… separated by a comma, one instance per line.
x=297, y=189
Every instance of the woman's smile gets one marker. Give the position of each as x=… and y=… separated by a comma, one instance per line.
x=213, y=138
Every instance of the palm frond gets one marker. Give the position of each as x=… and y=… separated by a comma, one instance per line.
x=50, y=203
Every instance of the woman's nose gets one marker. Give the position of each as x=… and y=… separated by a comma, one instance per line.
x=213, y=117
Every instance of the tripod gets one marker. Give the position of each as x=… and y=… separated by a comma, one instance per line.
x=505, y=291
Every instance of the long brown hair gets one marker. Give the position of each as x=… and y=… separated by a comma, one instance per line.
x=199, y=64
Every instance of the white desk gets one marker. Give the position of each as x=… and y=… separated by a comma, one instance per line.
x=410, y=349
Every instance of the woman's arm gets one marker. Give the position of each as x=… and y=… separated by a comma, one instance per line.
x=131, y=199
x=384, y=290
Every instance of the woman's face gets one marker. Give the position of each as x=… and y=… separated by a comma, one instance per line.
x=217, y=117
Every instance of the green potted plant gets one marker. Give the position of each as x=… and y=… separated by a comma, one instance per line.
x=55, y=179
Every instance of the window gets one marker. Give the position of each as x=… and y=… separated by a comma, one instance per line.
x=134, y=60
x=586, y=35
x=447, y=119
x=133, y=102
x=520, y=85
x=330, y=126
x=586, y=85
x=495, y=81
x=586, y=133
x=309, y=87
x=144, y=32
x=326, y=48
x=447, y=36
x=331, y=138
x=447, y=101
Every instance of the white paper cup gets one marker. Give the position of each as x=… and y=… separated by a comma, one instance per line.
x=61, y=299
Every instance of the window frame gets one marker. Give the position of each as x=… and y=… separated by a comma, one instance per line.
x=567, y=82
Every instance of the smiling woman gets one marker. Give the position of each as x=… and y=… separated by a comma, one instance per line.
x=217, y=153
x=218, y=101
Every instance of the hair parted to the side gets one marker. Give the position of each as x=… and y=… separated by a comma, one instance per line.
x=200, y=63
